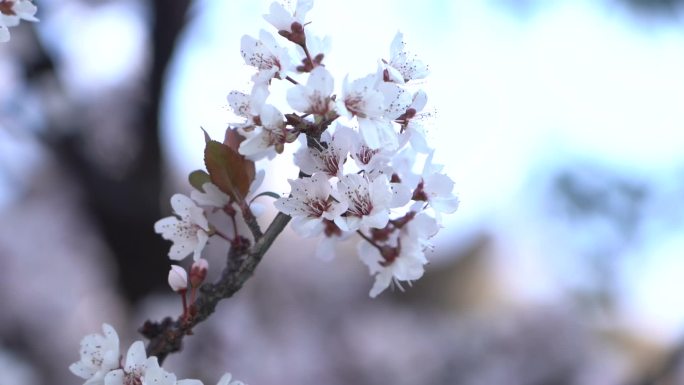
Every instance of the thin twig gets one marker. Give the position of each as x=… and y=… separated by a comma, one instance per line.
x=167, y=336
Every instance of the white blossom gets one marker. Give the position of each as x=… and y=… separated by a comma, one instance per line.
x=189, y=234
x=413, y=130
x=362, y=99
x=268, y=138
x=368, y=202
x=328, y=157
x=99, y=354
x=437, y=189
x=402, y=66
x=270, y=59
x=310, y=204
x=12, y=12
x=283, y=19
x=140, y=369
x=314, y=98
x=396, y=100
x=404, y=258
x=248, y=106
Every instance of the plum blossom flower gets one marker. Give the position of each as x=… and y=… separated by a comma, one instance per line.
x=412, y=129
x=189, y=233
x=329, y=158
x=140, y=369
x=270, y=59
x=12, y=12
x=395, y=100
x=268, y=138
x=368, y=202
x=333, y=235
x=362, y=99
x=314, y=98
x=99, y=355
x=248, y=106
x=284, y=19
x=437, y=189
x=310, y=204
x=403, y=257
x=402, y=66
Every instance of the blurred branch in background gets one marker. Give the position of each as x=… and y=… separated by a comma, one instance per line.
x=123, y=195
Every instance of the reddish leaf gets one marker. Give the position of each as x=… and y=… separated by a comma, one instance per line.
x=228, y=170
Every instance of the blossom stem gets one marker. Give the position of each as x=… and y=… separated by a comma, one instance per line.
x=251, y=221
x=166, y=336
x=222, y=235
x=235, y=230
x=372, y=242
x=288, y=78
x=185, y=302
x=308, y=55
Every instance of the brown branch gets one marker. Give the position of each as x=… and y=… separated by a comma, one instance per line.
x=167, y=336
x=251, y=221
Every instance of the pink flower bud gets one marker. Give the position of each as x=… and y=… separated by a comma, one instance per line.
x=178, y=278
x=198, y=272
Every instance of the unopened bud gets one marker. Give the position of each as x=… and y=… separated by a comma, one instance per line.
x=178, y=278
x=198, y=272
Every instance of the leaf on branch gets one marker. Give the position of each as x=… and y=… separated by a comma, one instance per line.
x=198, y=178
x=231, y=172
x=207, y=138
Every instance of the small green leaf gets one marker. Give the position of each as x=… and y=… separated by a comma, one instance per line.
x=198, y=178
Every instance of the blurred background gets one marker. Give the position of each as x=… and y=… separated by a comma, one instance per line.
x=561, y=121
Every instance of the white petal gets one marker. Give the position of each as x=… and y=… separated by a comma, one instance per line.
x=325, y=249
x=445, y=205
x=225, y=379
x=82, y=369
x=26, y=10
x=180, y=249
x=321, y=80
x=166, y=227
x=181, y=204
x=202, y=238
x=397, y=45
x=271, y=117
x=303, y=7
x=115, y=377
x=298, y=98
x=279, y=17
x=382, y=282
x=4, y=34
x=419, y=100
x=239, y=102
x=136, y=356
x=189, y=382
x=307, y=227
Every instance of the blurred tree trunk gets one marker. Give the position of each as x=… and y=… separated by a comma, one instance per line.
x=126, y=207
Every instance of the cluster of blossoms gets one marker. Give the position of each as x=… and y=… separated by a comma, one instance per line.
x=101, y=363
x=357, y=156
x=12, y=12
x=366, y=170
x=358, y=148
